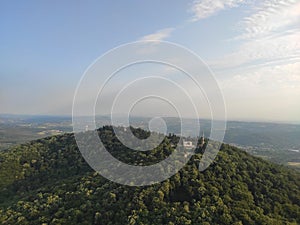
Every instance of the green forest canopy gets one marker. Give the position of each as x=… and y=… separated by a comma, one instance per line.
x=48, y=182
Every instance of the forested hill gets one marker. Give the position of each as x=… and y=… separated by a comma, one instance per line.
x=48, y=182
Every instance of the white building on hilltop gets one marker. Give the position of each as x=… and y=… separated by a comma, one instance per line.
x=188, y=144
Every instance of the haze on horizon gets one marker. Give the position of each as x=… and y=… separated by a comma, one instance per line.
x=253, y=48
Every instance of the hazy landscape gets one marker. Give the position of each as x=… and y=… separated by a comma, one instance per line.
x=276, y=142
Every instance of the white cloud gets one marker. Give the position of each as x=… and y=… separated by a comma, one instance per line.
x=158, y=35
x=269, y=16
x=283, y=47
x=201, y=9
x=263, y=71
x=270, y=33
x=206, y=8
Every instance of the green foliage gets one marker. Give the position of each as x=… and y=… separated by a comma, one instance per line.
x=48, y=182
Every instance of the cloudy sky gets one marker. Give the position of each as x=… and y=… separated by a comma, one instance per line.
x=252, y=47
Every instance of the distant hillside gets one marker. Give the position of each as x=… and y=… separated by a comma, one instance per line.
x=48, y=182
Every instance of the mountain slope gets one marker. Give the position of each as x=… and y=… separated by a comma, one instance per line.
x=47, y=182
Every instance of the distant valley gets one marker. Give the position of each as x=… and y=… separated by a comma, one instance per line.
x=279, y=143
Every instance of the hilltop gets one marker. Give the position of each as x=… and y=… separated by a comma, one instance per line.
x=48, y=182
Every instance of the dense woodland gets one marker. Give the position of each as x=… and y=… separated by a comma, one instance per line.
x=48, y=182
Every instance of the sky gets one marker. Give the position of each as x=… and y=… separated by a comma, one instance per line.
x=251, y=46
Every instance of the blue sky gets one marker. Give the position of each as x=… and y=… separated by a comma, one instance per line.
x=252, y=46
